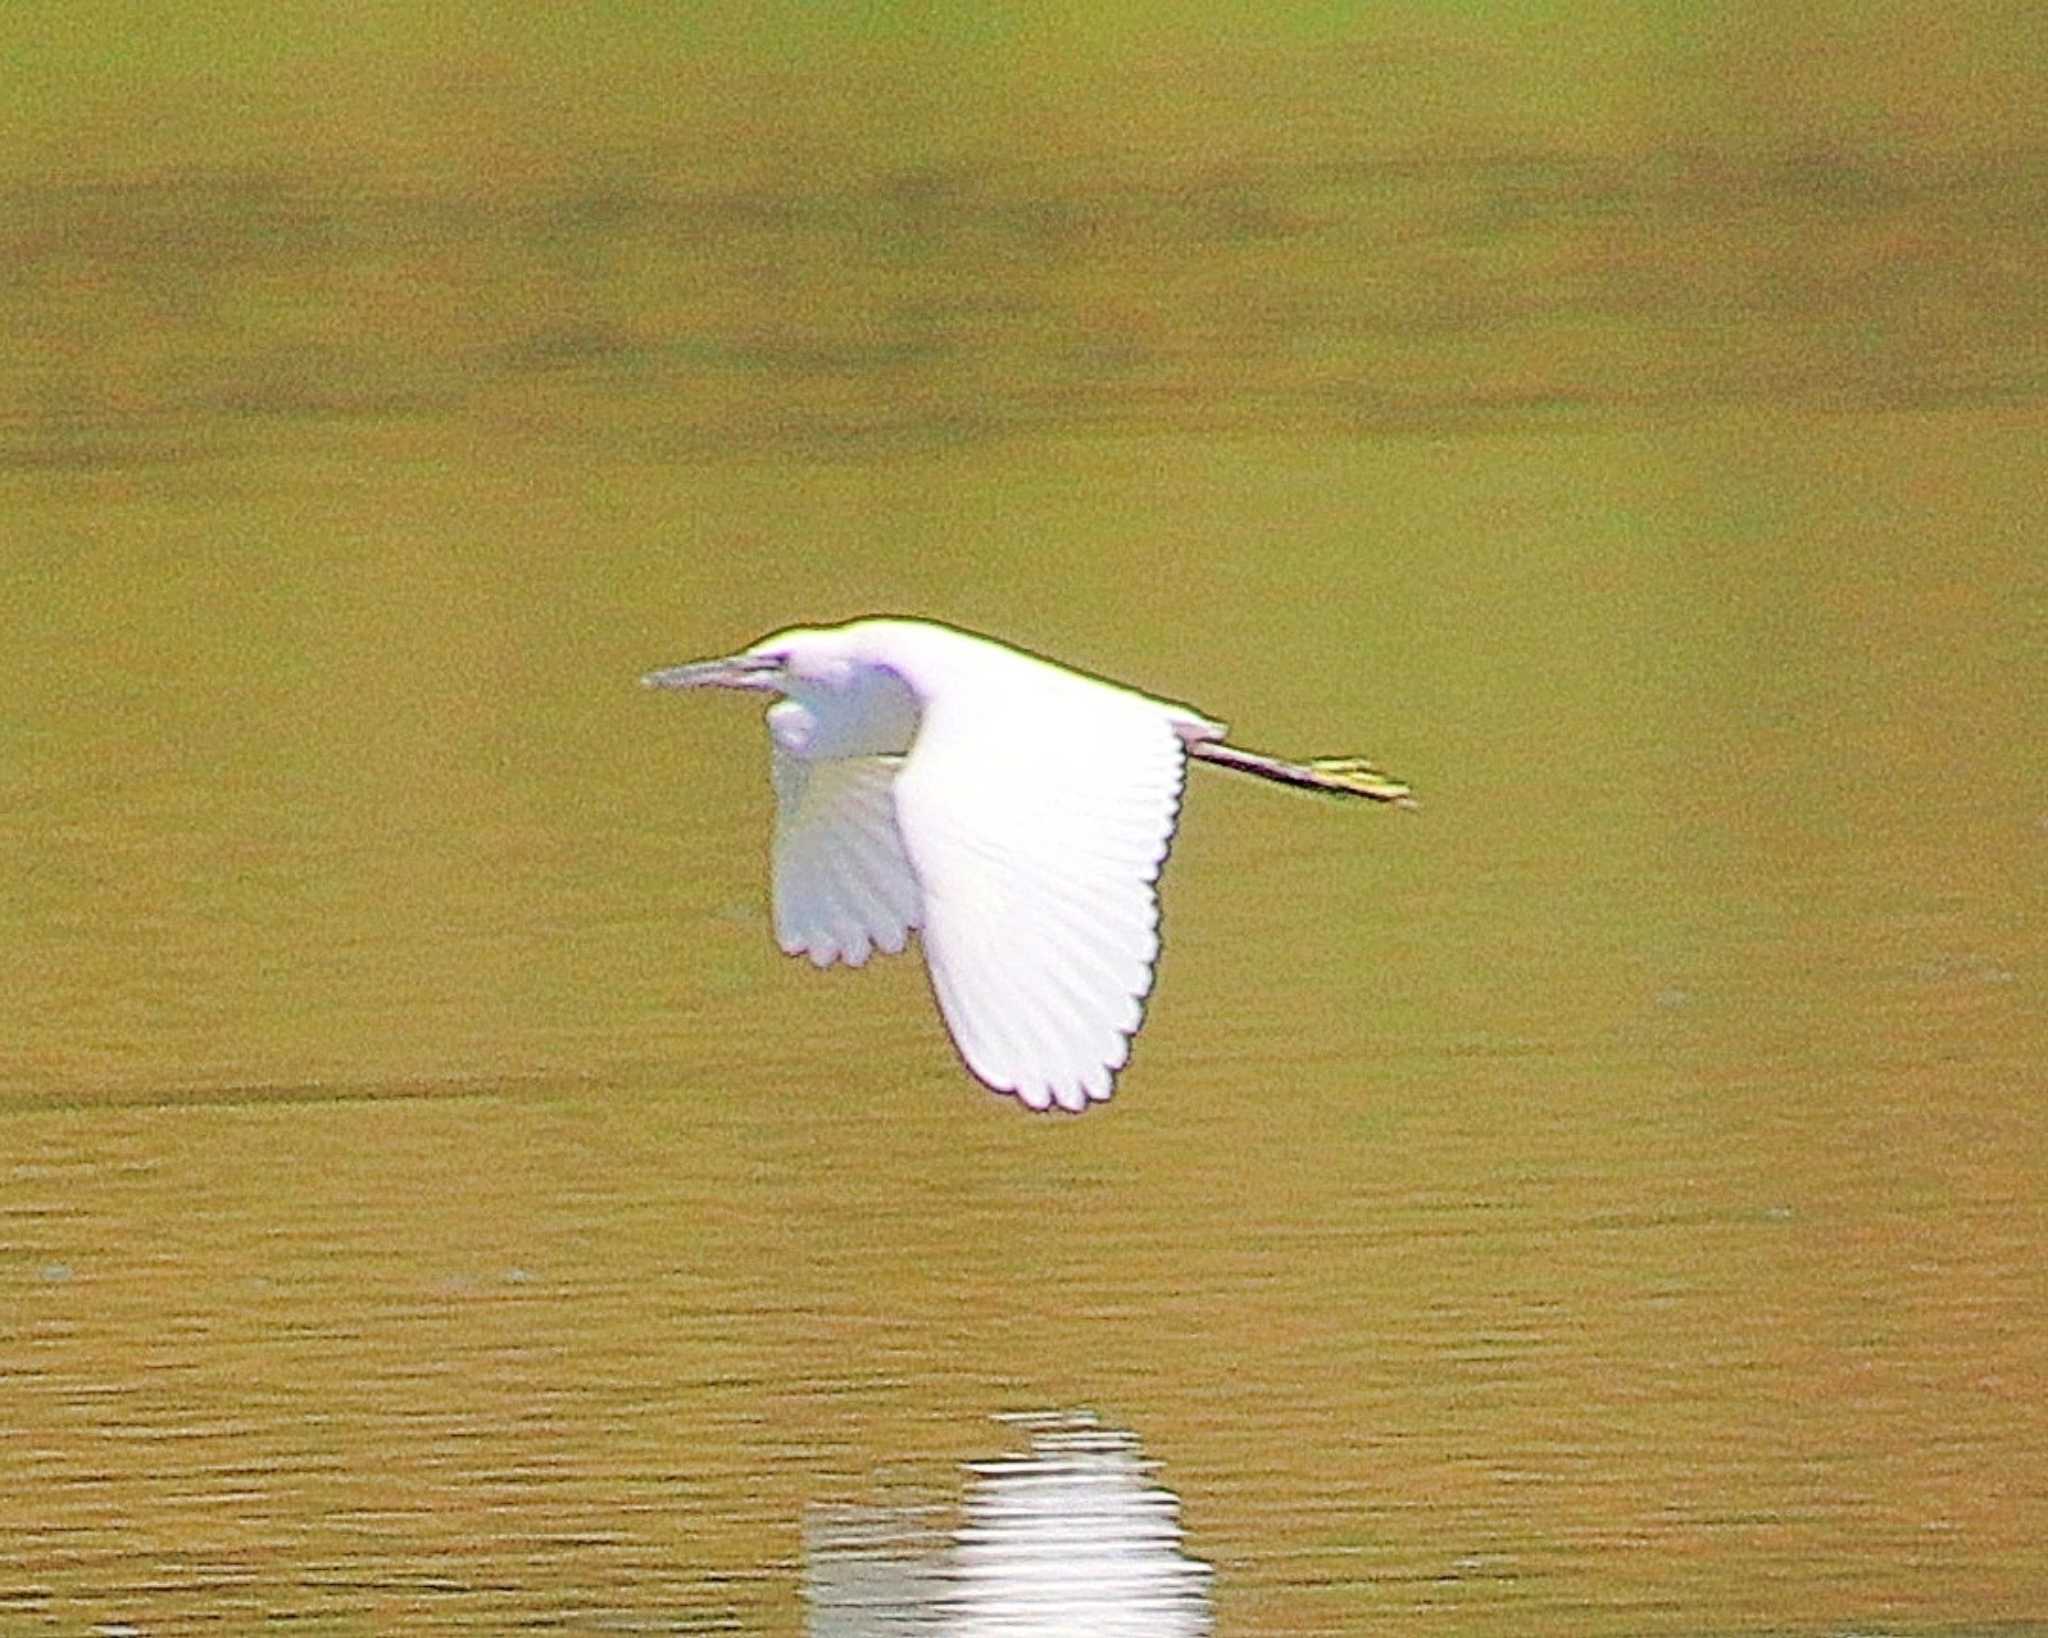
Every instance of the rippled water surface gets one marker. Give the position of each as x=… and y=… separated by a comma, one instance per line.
x=1608, y=1201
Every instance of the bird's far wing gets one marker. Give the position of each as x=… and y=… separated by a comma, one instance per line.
x=1038, y=841
x=843, y=887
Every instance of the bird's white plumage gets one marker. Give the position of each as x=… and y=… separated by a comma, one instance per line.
x=1037, y=841
x=1013, y=812
x=843, y=887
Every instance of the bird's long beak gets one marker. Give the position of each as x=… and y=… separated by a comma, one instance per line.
x=752, y=671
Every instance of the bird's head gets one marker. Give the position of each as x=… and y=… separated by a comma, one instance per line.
x=839, y=697
x=802, y=660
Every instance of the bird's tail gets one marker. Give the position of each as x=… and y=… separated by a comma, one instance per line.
x=1329, y=775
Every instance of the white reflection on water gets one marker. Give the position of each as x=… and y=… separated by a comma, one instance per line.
x=1070, y=1536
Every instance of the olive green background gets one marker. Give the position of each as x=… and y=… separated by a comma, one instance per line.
x=1609, y=1201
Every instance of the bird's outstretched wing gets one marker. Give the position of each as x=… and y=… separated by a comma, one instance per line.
x=1038, y=839
x=843, y=887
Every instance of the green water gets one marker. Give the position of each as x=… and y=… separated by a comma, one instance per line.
x=1609, y=1201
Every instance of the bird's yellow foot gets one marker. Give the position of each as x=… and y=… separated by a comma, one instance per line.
x=1355, y=776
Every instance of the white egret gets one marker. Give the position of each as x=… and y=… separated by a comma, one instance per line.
x=1013, y=813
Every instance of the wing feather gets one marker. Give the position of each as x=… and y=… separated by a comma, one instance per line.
x=1037, y=839
x=843, y=886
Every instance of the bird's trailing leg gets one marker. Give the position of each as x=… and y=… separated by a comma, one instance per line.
x=1330, y=775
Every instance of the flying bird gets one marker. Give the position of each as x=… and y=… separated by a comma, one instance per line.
x=1011, y=812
